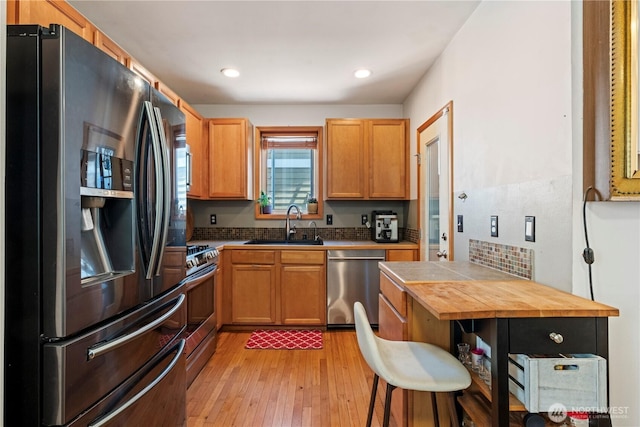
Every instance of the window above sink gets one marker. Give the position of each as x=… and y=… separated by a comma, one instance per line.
x=288, y=164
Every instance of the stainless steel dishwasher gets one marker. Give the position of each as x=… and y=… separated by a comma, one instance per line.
x=352, y=275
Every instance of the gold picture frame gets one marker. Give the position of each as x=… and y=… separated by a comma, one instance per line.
x=624, y=163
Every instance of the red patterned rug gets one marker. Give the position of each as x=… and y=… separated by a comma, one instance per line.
x=285, y=340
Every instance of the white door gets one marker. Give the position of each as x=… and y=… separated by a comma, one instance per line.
x=434, y=145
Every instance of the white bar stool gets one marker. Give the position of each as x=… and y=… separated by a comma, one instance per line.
x=409, y=365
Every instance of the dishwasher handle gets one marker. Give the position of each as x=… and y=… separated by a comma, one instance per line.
x=359, y=258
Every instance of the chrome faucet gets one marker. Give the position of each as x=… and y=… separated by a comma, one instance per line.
x=288, y=230
x=315, y=229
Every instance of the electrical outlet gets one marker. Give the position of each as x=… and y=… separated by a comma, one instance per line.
x=494, y=225
x=329, y=219
x=460, y=225
x=212, y=219
x=364, y=218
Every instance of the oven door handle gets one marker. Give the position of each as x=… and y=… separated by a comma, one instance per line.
x=199, y=279
x=111, y=415
x=102, y=348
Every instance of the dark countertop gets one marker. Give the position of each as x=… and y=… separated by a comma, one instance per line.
x=328, y=244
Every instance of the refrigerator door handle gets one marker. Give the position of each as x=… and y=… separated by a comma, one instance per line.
x=189, y=170
x=105, y=347
x=111, y=415
x=159, y=167
x=166, y=187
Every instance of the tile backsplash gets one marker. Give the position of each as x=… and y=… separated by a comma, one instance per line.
x=510, y=259
x=327, y=233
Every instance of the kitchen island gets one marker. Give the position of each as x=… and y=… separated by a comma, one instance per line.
x=512, y=315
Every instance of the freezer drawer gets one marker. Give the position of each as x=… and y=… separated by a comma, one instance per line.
x=79, y=372
x=154, y=396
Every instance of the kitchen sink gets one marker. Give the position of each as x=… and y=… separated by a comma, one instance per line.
x=285, y=242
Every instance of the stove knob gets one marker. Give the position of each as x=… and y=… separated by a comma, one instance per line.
x=189, y=263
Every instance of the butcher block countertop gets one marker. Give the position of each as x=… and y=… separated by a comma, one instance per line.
x=462, y=290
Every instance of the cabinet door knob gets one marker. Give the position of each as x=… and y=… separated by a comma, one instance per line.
x=556, y=338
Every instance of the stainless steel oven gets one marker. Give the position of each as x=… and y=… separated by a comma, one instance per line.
x=200, y=335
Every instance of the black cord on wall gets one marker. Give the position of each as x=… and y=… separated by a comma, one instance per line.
x=587, y=254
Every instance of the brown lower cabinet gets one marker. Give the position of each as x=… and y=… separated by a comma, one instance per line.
x=401, y=319
x=393, y=325
x=253, y=293
x=303, y=289
x=277, y=287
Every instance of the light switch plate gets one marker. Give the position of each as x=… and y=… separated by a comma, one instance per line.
x=530, y=228
x=329, y=219
x=494, y=225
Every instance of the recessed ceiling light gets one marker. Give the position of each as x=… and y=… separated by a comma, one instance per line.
x=230, y=72
x=362, y=73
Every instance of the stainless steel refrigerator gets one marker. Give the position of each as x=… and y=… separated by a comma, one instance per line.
x=95, y=194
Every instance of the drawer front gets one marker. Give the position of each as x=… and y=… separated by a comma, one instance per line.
x=391, y=325
x=249, y=256
x=532, y=335
x=175, y=256
x=394, y=293
x=401, y=255
x=302, y=257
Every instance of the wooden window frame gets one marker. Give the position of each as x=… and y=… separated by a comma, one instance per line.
x=259, y=159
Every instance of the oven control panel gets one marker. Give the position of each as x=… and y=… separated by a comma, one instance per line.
x=199, y=257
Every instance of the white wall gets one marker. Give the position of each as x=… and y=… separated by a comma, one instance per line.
x=514, y=73
x=614, y=236
x=510, y=83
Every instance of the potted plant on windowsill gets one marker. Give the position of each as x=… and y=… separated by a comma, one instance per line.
x=312, y=205
x=265, y=203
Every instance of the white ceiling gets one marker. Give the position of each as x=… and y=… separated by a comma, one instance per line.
x=288, y=52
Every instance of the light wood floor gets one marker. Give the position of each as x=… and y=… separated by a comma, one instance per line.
x=282, y=388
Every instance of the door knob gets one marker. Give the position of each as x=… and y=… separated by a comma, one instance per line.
x=442, y=254
x=444, y=236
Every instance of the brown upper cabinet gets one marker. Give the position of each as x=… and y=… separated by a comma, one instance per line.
x=50, y=12
x=60, y=12
x=367, y=159
x=140, y=70
x=230, y=159
x=111, y=48
x=166, y=91
x=345, y=159
x=194, y=125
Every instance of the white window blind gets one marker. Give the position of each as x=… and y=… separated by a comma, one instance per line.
x=290, y=162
